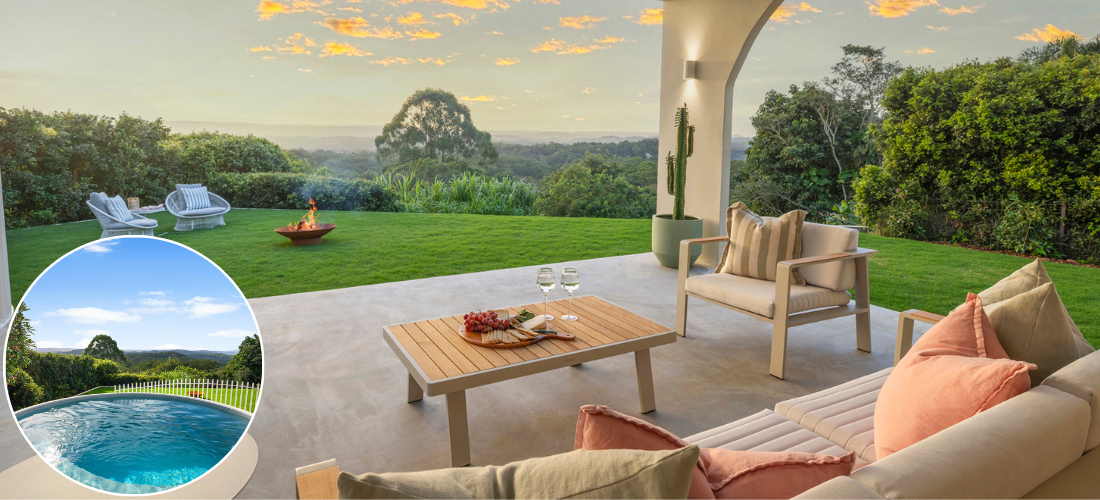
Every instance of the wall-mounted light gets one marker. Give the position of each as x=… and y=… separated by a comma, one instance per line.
x=689, y=70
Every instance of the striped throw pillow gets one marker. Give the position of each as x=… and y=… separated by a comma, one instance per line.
x=757, y=245
x=117, y=208
x=195, y=198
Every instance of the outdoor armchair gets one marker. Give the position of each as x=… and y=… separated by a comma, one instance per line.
x=201, y=218
x=832, y=263
x=111, y=225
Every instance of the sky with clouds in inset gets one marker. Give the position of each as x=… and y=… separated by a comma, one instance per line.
x=145, y=293
x=538, y=65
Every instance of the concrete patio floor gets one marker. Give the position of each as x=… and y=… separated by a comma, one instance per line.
x=334, y=389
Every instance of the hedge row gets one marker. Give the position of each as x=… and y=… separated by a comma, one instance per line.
x=52, y=376
x=293, y=191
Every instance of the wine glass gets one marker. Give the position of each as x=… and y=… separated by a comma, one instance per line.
x=546, y=283
x=570, y=281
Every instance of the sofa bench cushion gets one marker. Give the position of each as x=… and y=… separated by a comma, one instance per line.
x=841, y=487
x=767, y=431
x=140, y=223
x=843, y=414
x=758, y=296
x=1081, y=378
x=1003, y=452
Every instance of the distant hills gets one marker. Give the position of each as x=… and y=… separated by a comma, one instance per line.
x=215, y=355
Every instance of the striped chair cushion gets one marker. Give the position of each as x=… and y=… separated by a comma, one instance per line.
x=758, y=245
x=117, y=208
x=195, y=198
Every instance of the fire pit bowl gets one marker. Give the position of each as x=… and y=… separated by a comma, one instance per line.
x=311, y=237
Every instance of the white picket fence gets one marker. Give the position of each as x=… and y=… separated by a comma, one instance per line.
x=228, y=392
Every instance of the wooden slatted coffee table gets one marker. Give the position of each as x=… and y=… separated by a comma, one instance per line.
x=440, y=362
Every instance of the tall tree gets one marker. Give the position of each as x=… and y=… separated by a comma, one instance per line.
x=20, y=344
x=248, y=364
x=433, y=124
x=861, y=77
x=1063, y=47
x=104, y=347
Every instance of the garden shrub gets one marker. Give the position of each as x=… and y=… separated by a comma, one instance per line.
x=575, y=191
x=294, y=190
x=467, y=193
x=22, y=390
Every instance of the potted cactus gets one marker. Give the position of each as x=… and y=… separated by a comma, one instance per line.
x=669, y=229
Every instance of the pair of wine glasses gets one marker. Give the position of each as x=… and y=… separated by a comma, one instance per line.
x=570, y=281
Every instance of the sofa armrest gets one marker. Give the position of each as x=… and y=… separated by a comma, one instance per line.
x=905, y=329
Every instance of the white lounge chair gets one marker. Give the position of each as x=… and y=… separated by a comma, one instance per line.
x=202, y=218
x=112, y=226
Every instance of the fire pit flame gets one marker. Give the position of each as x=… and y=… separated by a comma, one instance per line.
x=308, y=221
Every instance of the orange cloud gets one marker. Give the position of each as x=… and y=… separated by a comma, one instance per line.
x=423, y=35
x=456, y=19
x=963, y=9
x=413, y=19
x=350, y=9
x=1049, y=33
x=589, y=90
x=270, y=8
x=562, y=47
x=480, y=98
x=610, y=39
x=343, y=49
x=434, y=60
x=392, y=60
x=260, y=48
x=268, y=58
x=359, y=28
x=897, y=8
x=294, y=50
x=490, y=5
x=783, y=14
x=649, y=17
x=580, y=22
x=922, y=51
x=937, y=28
x=506, y=61
x=807, y=7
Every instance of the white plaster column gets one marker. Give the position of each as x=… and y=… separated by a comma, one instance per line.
x=718, y=35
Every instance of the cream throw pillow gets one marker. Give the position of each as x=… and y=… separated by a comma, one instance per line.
x=577, y=474
x=758, y=245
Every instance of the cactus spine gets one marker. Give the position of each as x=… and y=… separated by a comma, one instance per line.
x=677, y=165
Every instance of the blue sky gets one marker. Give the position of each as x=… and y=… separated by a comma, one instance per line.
x=145, y=293
x=547, y=65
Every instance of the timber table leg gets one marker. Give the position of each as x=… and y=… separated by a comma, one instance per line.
x=645, y=380
x=415, y=392
x=458, y=428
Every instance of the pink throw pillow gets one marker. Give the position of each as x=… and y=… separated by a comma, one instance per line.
x=765, y=474
x=955, y=371
x=720, y=473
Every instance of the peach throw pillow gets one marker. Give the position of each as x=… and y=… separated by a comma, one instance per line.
x=955, y=371
x=720, y=473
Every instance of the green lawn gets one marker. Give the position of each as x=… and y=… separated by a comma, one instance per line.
x=244, y=399
x=369, y=248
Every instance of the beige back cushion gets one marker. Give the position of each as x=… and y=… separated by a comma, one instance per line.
x=1082, y=379
x=1003, y=452
x=757, y=245
x=821, y=239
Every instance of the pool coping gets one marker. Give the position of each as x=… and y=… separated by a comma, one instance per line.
x=130, y=395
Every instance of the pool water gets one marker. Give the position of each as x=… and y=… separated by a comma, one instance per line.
x=133, y=445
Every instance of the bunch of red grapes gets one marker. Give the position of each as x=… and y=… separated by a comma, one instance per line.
x=484, y=322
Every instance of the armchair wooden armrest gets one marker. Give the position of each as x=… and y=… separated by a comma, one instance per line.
x=905, y=329
x=822, y=259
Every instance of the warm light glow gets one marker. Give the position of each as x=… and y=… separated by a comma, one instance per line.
x=580, y=22
x=480, y=98
x=343, y=49
x=506, y=61
x=1048, y=33
x=308, y=221
x=897, y=8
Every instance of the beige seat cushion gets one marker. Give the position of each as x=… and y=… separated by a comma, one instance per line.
x=766, y=431
x=843, y=487
x=821, y=239
x=1081, y=378
x=758, y=296
x=1003, y=452
x=843, y=414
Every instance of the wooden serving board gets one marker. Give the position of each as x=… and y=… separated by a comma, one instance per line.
x=475, y=339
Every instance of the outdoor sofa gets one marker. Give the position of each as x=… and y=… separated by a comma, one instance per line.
x=196, y=218
x=114, y=226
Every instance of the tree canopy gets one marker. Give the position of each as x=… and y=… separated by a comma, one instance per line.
x=20, y=344
x=248, y=364
x=104, y=347
x=433, y=124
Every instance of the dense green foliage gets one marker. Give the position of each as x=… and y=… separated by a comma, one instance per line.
x=22, y=391
x=104, y=347
x=248, y=364
x=294, y=190
x=20, y=344
x=138, y=359
x=49, y=162
x=555, y=155
x=599, y=187
x=433, y=124
x=984, y=153
x=465, y=194
x=167, y=361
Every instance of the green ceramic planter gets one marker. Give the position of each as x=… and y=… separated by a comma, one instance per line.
x=667, y=234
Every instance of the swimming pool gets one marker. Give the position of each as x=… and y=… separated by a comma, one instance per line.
x=133, y=443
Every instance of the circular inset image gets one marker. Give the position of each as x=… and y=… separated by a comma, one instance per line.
x=134, y=365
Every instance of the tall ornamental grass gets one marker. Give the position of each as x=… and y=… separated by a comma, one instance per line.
x=467, y=193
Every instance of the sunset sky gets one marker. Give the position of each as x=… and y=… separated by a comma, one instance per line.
x=547, y=65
